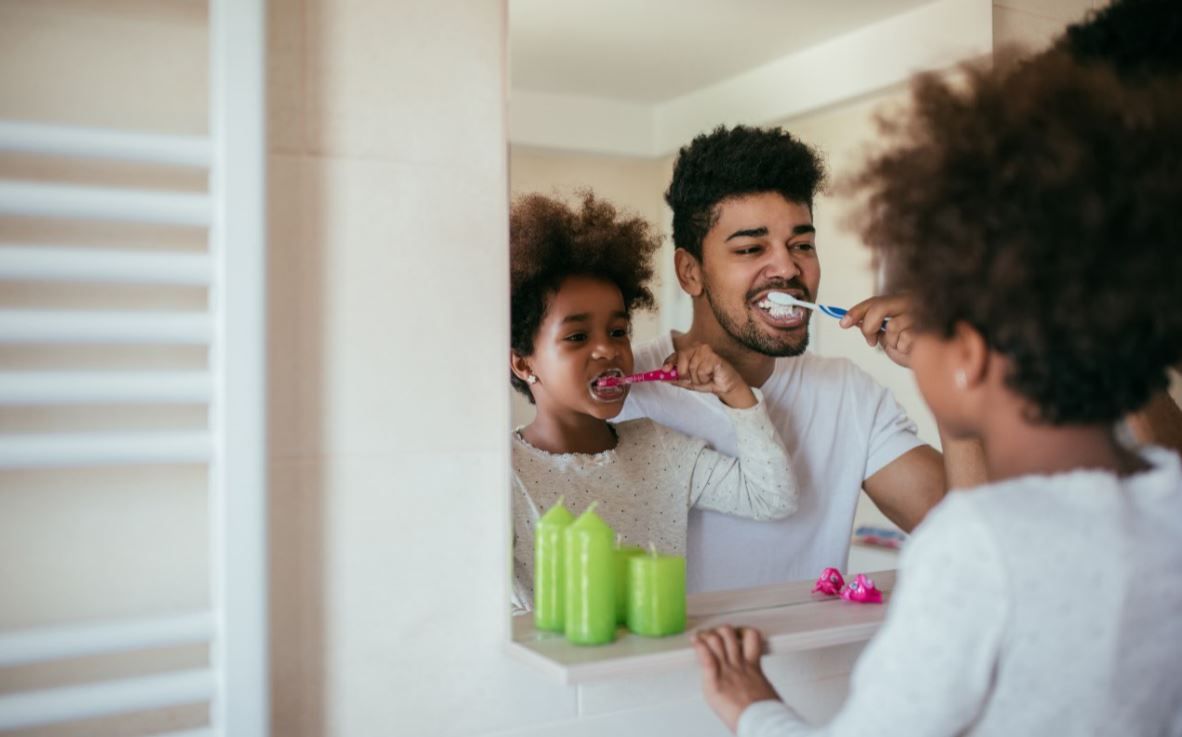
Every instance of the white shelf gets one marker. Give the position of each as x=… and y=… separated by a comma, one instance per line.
x=791, y=618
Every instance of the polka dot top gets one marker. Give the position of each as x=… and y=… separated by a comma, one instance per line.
x=646, y=485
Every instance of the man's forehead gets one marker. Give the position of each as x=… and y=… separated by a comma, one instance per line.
x=760, y=209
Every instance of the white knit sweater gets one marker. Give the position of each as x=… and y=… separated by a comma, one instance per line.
x=1047, y=605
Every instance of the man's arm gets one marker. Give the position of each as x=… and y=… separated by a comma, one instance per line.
x=907, y=487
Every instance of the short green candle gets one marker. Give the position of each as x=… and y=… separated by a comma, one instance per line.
x=624, y=553
x=590, y=580
x=656, y=594
x=548, y=564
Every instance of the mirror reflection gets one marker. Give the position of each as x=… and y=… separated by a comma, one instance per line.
x=710, y=161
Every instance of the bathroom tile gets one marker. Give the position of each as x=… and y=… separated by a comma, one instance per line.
x=286, y=73
x=287, y=426
x=381, y=80
x=1030, y=32
x=414, y=555
x=1068, y=11
x=406, y=276
x=685, y=718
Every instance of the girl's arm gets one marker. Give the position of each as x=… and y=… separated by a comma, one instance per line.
x=759, y=484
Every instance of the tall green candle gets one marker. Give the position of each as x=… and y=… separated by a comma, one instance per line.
x=590, y=594
x=624, y=553
x=548, y=564
x=656, y=594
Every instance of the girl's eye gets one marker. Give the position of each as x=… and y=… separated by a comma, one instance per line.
x=576, y=337
x=620, y=333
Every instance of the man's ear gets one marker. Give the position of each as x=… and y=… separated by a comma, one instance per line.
x=972, y=353
x=689, y=272
x=519, y=366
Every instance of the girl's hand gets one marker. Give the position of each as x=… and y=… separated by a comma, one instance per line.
x=703, y=370
x=896, y=338
x=732, y=678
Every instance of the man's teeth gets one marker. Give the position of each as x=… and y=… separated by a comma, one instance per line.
x=776, y=310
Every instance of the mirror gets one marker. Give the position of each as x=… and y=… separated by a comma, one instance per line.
x=602, y=96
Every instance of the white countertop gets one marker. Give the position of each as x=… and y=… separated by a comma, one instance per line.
x=791, y=618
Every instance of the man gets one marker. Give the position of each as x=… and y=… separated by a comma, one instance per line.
x=742, y=224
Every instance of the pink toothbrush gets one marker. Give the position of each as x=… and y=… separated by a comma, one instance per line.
x=658, y=375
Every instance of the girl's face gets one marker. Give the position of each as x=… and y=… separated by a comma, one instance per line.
x=584, y=335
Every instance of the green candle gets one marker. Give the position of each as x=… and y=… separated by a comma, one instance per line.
x=548, y=563
x=590, y=594
x=656, y=594
x=623, y=554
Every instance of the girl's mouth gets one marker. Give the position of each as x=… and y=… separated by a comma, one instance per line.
x=607, y=393
x=780, y=315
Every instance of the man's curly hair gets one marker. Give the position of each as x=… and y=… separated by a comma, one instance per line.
x=550, y=241
x=1039, y=204
x=1138, y=38
x=734, y=162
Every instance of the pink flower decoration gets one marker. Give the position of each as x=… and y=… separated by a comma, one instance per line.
x=862, y=591
x=829, y=583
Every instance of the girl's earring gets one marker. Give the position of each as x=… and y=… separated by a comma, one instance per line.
x=960, y=378
x=531, y=379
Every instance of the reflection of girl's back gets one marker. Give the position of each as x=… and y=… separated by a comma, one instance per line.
x=576, y=278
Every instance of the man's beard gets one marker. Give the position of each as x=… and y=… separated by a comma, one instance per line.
x=749, y=335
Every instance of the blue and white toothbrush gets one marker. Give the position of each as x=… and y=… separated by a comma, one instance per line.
x=787, y=300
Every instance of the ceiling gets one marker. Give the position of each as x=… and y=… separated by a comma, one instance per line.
x=650, y=51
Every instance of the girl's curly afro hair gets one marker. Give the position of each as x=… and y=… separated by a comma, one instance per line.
x=1039, y=203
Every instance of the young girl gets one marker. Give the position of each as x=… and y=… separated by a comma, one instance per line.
x=577, y=276
x=1033, y=219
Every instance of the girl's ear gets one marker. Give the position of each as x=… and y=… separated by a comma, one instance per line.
x=519, y=366
x=689, y=272
x=972, y=354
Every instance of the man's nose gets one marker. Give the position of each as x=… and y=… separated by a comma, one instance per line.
x=781, y=264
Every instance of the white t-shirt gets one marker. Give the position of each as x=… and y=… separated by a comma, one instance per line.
x=839, y=427
x=1043, y=605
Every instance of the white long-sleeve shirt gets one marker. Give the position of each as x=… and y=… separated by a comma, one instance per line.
x=1045, y=605
x=647, y=484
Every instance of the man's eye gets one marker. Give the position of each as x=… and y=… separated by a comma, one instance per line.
x=805, y=246
x=748, y=250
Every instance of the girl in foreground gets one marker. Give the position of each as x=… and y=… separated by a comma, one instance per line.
x=1033, y=217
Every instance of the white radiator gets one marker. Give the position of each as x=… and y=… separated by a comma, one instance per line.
x=232, y=385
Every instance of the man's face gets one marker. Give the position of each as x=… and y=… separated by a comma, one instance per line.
x=759, y=244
